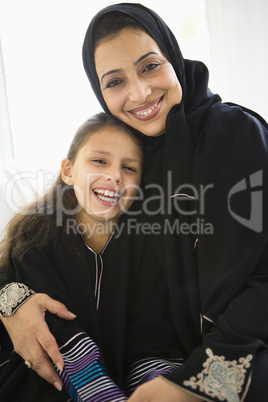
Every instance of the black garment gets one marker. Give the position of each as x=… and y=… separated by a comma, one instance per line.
x=133, y=318
x=218, y=279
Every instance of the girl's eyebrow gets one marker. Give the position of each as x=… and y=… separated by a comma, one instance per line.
x=131, y=160
x=127, y=159
x=98, y=151
x=119, y=70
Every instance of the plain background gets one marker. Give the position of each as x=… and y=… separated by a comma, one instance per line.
x=49, y=96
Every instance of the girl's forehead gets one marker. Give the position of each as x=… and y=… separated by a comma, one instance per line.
x=111, y=136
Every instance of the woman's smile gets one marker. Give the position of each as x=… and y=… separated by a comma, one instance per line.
x=149, y=111
x=138, y=83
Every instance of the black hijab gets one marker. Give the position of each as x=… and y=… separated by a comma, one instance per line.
x=193, y=75
x=206, y=143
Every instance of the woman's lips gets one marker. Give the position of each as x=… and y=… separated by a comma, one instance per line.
x=148, y=111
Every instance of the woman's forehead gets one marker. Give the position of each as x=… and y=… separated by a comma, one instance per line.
x=128, y=44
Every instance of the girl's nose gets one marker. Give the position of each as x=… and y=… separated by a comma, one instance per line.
x=114, y=175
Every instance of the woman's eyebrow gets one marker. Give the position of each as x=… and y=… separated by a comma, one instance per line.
x=119, y=70
x=144, y=57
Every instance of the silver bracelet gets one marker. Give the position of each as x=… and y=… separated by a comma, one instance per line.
x=12, y=296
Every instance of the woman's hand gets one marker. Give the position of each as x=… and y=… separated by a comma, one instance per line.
x=32, y=339
x=161, y=390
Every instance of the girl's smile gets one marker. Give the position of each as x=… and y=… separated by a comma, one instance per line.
x=138, y=83
x=108, y=197
x=105, y=175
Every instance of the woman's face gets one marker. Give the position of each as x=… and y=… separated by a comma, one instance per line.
x=138, y=83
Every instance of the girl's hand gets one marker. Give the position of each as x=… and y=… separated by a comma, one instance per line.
x=161, y=390
x=32, y=339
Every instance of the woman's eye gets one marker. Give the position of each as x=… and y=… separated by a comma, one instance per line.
x=113, y=83
x=151, y=66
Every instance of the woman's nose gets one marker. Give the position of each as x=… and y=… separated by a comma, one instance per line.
x=139, y=90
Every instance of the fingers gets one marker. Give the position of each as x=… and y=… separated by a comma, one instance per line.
x=32, y=338
x=50, y=346
x=55, y=307
x=44, y=367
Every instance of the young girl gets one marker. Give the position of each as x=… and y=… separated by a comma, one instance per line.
x=75, y=245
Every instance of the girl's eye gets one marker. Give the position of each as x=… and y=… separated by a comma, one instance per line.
x=99, y=161
x=151, y=66
x=113, y=83
x=131, y=169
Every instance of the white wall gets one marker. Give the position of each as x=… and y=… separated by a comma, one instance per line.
x=48, y=92
x=6, y=144
x=239, y=33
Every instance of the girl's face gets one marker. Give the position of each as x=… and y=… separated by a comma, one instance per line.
x=138, y=83
x=105, y=175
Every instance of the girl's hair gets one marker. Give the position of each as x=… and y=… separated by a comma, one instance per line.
x=111, y=23
x=45, y=218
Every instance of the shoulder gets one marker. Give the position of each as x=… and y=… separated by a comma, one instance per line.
x=235, y=119
x=233, y=145
x=233, y=131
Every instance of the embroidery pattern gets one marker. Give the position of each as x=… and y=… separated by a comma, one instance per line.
x=12, y=296
x=221, y=378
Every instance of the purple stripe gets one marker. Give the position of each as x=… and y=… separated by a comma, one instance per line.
x=84, y=374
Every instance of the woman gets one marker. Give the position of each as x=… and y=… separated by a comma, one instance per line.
x=68, y=245
x=204, y=154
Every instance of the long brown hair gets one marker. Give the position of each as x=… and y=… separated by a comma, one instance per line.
x=45, y=218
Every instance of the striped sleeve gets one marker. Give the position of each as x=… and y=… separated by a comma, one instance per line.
x=86, y=379
x=84, y=375
x=147, y=369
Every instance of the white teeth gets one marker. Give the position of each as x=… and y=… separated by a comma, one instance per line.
x=147, y=112
x=108, y=199
x=109, y=196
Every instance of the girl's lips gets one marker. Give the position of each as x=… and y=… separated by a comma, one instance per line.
x=106, y=196
x=148, y=111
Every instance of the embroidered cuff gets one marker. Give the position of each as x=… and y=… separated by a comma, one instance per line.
x=12, y=296
x=221, y=378
x=222, y=373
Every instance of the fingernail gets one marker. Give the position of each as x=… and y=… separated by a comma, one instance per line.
x=57, y=386
x=59, y=366
x=72, y=314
